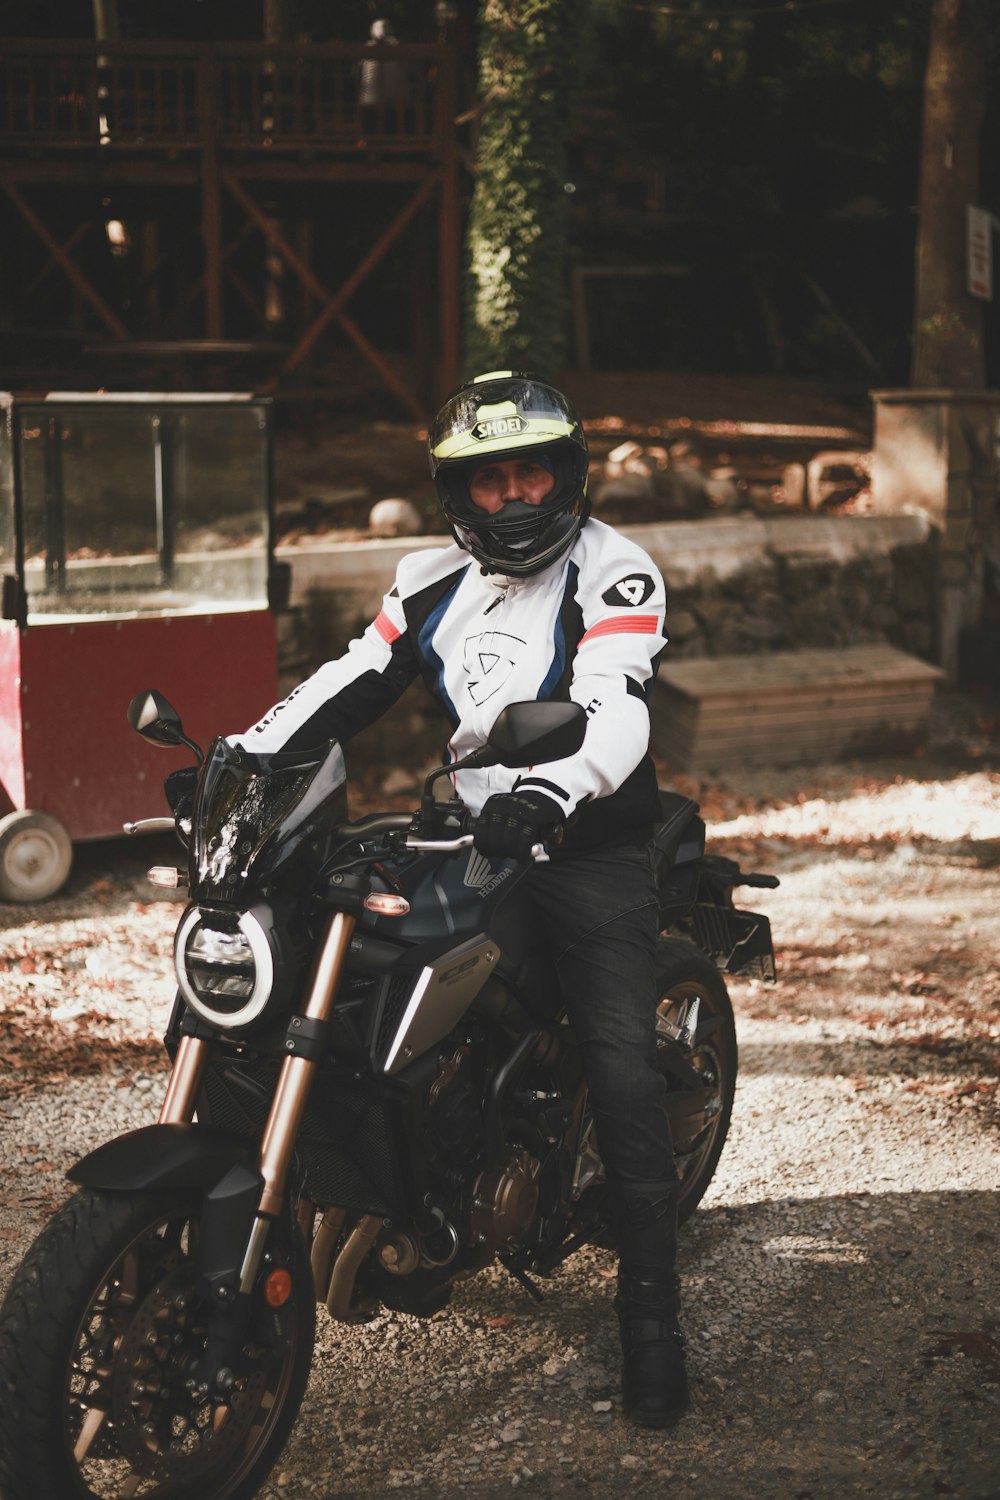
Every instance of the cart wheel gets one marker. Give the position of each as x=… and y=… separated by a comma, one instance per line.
x=35, y=856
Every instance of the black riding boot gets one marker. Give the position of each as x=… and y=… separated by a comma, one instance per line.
x=654, y=1381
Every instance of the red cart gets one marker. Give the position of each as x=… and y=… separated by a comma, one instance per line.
x=135, y=551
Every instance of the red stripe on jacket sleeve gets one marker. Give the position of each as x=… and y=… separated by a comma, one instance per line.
x=386, y=628
x=624, y=625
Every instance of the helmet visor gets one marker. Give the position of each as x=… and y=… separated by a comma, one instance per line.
x=492, y=415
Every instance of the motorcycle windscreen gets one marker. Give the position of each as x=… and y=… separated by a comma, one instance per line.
x=252, y=813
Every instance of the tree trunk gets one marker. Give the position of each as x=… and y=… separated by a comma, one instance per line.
x=516, y=306
x=948, y=320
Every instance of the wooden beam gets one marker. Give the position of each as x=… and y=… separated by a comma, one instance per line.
x=389, y=377
x=117, y=171
x=316, y=286
x=196, y=287
x=273, y=235
x=357, y=276
x=78, y=234
x=211, y=209
x=281, y=167
x=74, y=273
x=449, y=263
x=240, y=283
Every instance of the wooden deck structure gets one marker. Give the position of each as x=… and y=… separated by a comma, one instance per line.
x=230, y=176
x=790, y=706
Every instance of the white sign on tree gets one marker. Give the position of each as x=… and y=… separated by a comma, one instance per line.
x=979, y=248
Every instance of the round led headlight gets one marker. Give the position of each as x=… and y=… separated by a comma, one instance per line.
x=224, y=968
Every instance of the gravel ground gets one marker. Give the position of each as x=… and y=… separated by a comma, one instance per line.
x=842, y=1293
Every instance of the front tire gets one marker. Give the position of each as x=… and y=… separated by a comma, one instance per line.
x=700, y=1111
x=96, y=1333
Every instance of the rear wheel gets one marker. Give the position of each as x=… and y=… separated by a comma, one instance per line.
x=696, y=1051
x=98, y=1336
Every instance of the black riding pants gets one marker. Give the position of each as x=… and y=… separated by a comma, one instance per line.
x=599, y=914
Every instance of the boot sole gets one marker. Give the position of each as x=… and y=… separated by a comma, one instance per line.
x=657, y=1418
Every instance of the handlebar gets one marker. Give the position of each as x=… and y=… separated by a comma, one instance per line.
x=150, y=825
x=539, y=853
x=462, y=842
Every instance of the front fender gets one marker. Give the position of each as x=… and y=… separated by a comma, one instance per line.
x=162, y=1156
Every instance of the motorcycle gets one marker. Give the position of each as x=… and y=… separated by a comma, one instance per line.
x=374, y=1094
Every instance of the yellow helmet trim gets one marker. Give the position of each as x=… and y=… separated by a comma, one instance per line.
x=499, y=427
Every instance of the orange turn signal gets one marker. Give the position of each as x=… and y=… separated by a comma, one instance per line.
x=277, y=1288
x=386, y=904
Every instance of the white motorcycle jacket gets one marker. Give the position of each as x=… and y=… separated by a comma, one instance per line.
x=590, y=628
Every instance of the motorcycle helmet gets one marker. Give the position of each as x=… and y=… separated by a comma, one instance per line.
x=510, y=415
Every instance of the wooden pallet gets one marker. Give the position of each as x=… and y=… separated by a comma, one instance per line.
x=790, y=706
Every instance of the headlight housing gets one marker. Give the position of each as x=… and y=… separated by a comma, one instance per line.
x=224, y=965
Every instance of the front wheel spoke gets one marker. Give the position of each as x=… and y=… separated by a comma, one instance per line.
x=92, y=1424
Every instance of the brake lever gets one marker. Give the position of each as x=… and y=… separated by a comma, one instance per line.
x=539, y=853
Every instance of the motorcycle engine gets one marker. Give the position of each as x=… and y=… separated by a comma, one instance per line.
x=504, y=1204
x=492, y=1206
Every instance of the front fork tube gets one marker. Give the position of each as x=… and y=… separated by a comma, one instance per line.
x=181, y=1098
x=290, y=1096
x=292, y=1093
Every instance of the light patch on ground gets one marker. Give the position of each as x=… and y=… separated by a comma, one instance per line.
x=963, y=807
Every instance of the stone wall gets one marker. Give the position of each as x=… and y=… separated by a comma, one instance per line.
x=734, y=586
x=738, y=587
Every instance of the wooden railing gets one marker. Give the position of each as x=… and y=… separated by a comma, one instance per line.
x=153, y=96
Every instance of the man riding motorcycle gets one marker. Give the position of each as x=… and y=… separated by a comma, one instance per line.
x=552, y=604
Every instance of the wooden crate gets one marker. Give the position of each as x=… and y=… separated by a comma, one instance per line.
x=790, y=706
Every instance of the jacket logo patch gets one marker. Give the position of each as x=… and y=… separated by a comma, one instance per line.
x=633, y=590
x=499, y=427
x=488, y=661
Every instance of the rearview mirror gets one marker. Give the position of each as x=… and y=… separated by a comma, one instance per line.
x=530, y=734
x=155, y=718
x=525, y=734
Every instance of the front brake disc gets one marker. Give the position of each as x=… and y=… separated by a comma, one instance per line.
x=165, y=1431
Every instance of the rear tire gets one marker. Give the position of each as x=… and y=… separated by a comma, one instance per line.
x=95, y=1335
x=684, y=975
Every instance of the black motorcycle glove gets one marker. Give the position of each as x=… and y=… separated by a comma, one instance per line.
x=511, y=822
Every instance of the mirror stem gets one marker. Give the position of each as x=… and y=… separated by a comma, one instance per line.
x=196, y=750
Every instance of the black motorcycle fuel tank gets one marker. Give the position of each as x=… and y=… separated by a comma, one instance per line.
x=459, y=896
x=449, y=895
